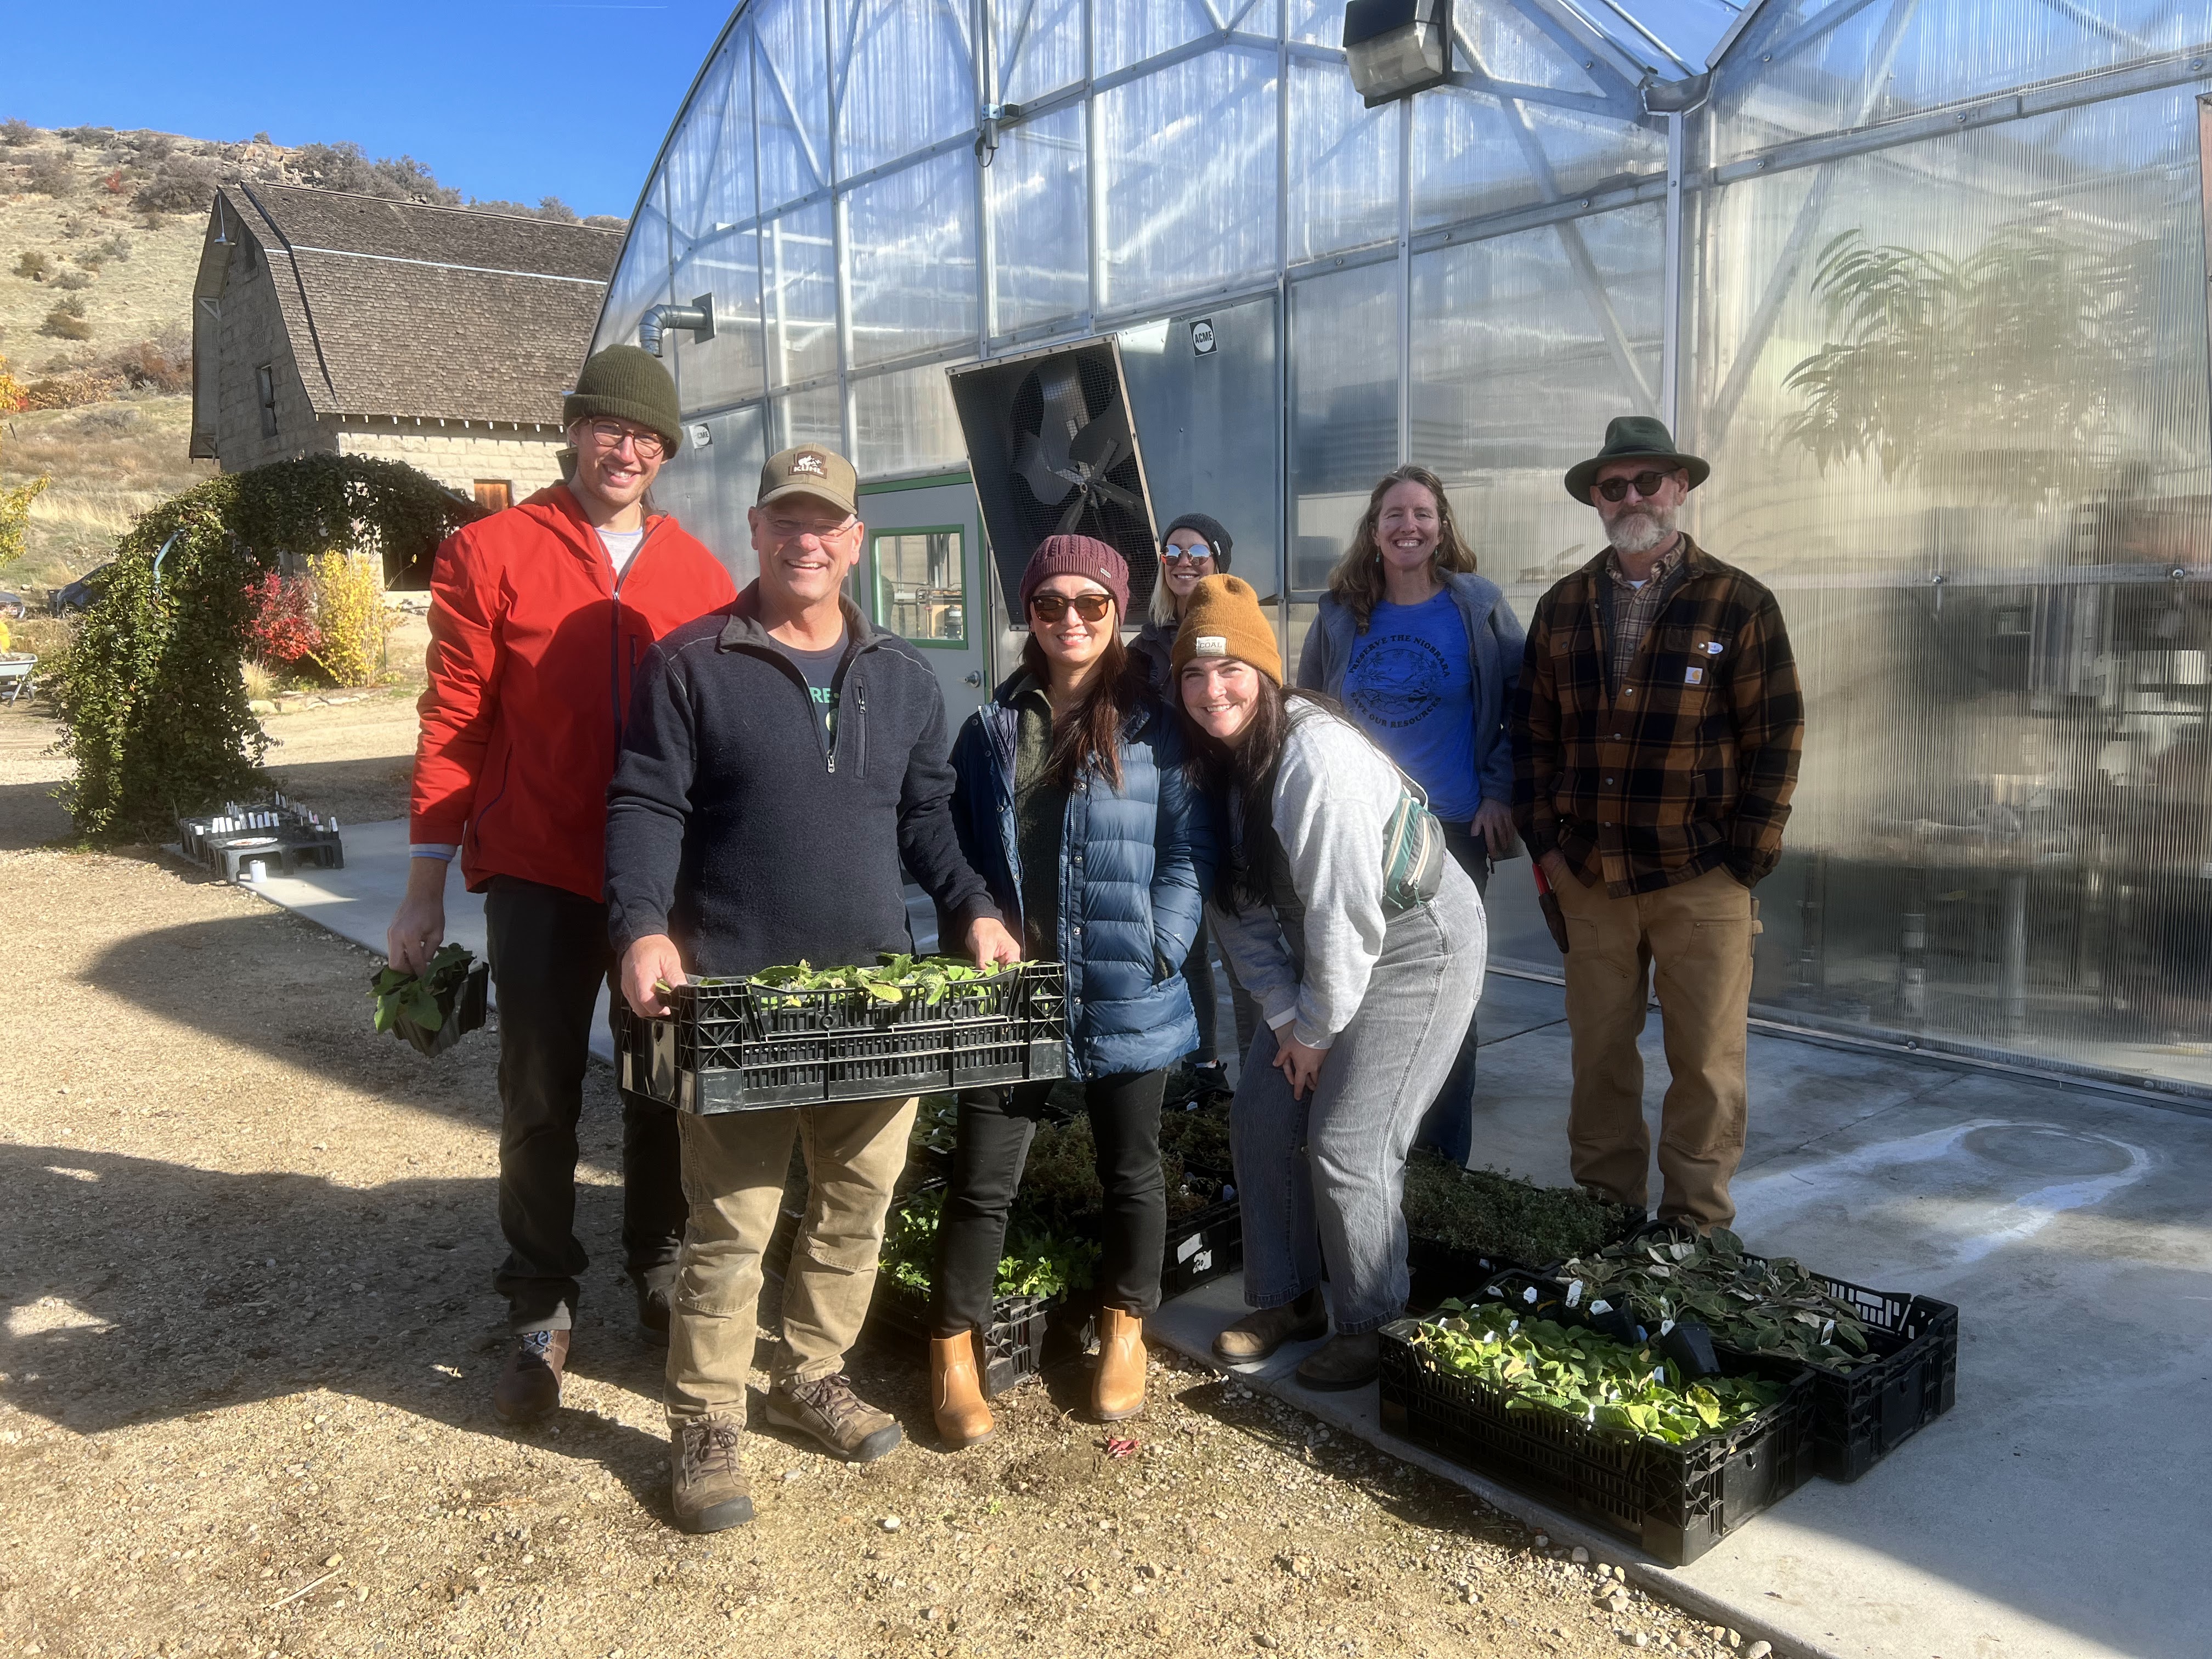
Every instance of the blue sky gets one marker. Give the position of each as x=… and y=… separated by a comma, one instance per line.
x=513, y=100
x=501, y=99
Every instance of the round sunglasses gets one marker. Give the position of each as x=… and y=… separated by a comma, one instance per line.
x=1646, y=484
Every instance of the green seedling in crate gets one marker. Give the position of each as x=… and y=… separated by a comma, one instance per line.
x=893, y=980
x=1537, y=1363
x=417, y=995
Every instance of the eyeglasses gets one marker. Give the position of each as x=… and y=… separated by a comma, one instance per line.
x=1173, y=555
x=1645, y=485
x=1051, y=607
x=609, y=434
x=790, y=530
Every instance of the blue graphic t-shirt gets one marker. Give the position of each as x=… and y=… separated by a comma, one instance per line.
x=1411, y=684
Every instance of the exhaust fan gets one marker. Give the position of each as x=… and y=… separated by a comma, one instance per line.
x=1053, y=451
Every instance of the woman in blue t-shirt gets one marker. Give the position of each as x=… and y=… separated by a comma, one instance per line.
x=1424, y=654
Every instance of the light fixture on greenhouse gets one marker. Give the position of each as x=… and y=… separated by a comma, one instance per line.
x=1397, y=47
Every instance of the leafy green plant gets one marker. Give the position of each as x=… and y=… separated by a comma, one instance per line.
x=1035, y=1262
x=1501, y=1216
x=1540, y=1365
x=1766, y=1305
x=155, y=709
x=893, y=980
x=420, y=996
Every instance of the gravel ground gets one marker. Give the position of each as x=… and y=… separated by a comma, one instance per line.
x=246, y=1370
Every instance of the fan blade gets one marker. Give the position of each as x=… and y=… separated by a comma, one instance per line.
x=1035, y=468
x=1104, y=444
x=1073, y=516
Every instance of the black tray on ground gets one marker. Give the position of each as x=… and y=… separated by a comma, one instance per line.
x=1442, y=1271
x=1673, y=1502
x=730, y=1046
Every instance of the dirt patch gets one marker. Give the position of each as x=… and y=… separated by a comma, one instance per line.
x=250, y=1339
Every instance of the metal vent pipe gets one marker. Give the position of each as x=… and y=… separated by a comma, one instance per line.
x=698, y=317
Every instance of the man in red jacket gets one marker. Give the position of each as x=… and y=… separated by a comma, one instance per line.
x=538, y=615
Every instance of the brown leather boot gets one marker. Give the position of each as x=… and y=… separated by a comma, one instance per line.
x=529, y=1385
x=962, y=1415
x=1118, y=1391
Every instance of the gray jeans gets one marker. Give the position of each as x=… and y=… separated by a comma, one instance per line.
x=1322, y=1180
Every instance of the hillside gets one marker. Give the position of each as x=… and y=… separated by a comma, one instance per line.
x=100, y=242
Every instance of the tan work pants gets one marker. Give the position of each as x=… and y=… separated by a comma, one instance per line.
x=734, y=1164
x=1699, y=933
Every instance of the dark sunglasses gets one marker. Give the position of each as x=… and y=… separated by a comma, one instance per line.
x=1645, y=485
x=1051, y=607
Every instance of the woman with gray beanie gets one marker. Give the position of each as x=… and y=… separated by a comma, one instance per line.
x=1195, y=546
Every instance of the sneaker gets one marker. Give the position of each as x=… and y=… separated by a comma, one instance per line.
x=1259, y=1334
x=1343, y=1362
x=529, y=1386
x=707, y=1485
x=827, y=1409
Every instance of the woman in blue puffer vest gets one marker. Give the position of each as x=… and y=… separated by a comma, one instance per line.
x=1070, y=802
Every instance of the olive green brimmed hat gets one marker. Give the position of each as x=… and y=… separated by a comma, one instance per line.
x=1635, y=438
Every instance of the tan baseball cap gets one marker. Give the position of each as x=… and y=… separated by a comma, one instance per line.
x=809, y=470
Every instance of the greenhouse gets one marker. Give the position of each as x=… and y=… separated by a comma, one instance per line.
x=1926, y=282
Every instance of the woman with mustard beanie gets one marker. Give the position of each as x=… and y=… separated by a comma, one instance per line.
x=1363, y=944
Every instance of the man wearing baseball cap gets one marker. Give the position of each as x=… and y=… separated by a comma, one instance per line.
x=783, y=758
x=538, y=615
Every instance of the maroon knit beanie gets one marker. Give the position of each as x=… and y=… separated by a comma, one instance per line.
x=1078, y=555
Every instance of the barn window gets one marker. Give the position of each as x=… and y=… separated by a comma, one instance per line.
x=265, y=383
x=494, y=495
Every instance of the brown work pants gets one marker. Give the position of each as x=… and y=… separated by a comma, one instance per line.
x=734, y=1164
x=1700, y=933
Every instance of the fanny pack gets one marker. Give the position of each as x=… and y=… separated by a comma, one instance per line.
x=1413, y=851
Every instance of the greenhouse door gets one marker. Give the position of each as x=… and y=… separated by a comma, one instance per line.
x=920, y=576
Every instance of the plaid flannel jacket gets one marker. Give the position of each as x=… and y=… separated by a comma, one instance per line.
x=1689, y=764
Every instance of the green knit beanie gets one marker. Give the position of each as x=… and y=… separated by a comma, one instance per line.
x=628, y=383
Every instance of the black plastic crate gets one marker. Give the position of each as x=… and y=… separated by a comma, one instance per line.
x=1444, y=1271
x=1203, y=1247
x=1861, y=1415
x=1013, y=1343
x=1673, y=1502
x=280, y=833
x=730, y=1046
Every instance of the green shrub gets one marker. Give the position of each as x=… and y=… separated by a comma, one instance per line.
x=70, y=281
x=50, y=175
x=33, y=267
x=16, y=133
x=66, y=321
x=157, y=724
x=182, y=184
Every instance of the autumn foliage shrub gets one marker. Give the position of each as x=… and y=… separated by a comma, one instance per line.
x=282, y=633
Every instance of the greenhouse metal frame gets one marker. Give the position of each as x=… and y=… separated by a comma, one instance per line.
x=1926, y=282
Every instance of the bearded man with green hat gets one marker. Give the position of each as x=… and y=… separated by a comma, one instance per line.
x=1656, y=732
x=538, y=617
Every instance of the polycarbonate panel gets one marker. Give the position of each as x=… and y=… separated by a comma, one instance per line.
x=791, y=100
x=1524, y=347
x=1504, y=44
x=641, y=277
x=1954, y=395
x=709, y=487
x=727, y=368
x=903, y=76
x=1317, y=22
x=1190, y=161
x=1475, y=154
x=1039, y=221
x=1344, y=163
x=910, y=241
x=1039, y=46
x=815, y=416
x=1344, y=409
x=1806, y=67
x=1128, y=30
x=710, y=154
x=903, y=421
x=798, y=294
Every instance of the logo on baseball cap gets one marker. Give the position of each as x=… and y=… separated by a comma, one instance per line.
x=809, y=470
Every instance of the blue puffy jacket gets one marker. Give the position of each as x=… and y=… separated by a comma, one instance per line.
x=1134, y=865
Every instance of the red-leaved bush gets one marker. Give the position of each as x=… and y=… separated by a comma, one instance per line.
x=283, y=633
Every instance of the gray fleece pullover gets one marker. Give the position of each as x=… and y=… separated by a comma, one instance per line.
x=1334, y=794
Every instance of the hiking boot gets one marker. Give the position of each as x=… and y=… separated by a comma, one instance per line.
x=1259, y=1334
x=707, y=1485
x=956, y=1394
x=1343, y=1362
x=1118, y=1391
x=827, y=1409
x=653, y=1313
x=529, y=1386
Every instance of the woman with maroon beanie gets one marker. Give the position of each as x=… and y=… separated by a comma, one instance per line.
x=1069, y=801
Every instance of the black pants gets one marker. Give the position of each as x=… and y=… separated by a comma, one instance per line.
x=994, y=1130
x=1449, y=1125
x=549, y=955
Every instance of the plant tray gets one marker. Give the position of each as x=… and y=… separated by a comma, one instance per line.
x=1674, y=1502
x=1202, y=1246
x=1861, y=1415
x=1442, y=1271
x=278, y=833
x=1013, y=1343
x=730, y=1046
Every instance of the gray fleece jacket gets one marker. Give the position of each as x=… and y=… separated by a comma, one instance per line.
x=1334, y=794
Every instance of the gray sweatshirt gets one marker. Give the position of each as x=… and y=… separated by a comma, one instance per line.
x=1334, y=794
